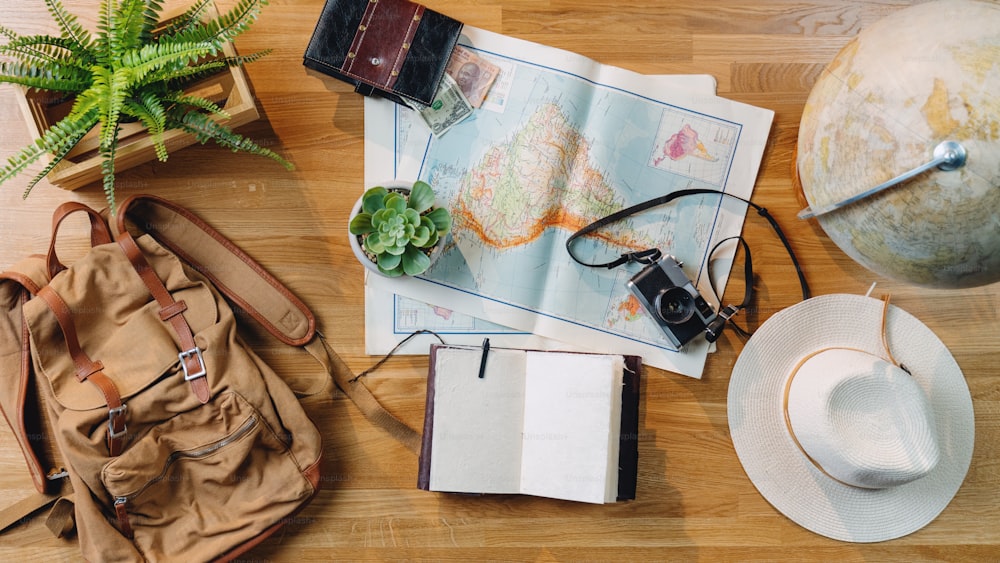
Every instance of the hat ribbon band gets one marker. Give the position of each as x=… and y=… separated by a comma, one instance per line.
x=788, y=420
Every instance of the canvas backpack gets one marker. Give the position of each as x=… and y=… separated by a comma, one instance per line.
x=142, y=414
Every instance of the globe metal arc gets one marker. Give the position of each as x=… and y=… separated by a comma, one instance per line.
x=948, y=156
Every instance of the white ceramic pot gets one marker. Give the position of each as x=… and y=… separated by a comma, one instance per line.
x=359, y=252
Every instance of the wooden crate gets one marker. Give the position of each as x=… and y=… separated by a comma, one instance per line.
x=82, y=166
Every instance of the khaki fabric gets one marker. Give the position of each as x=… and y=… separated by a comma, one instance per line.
x=195, y=481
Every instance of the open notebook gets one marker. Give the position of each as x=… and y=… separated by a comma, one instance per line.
x=553, y=424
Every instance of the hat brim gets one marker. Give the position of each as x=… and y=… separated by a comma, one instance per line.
x=778, y=468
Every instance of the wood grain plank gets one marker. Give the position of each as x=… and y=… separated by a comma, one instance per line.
x=694, y=500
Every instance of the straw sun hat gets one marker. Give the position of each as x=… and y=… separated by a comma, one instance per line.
x=851, y=434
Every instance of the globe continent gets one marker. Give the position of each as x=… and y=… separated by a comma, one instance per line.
x=920, y=76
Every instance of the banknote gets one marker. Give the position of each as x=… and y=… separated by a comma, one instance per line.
x=473, y=73
x=448, y=109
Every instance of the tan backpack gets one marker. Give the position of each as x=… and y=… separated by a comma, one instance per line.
x=124, y=374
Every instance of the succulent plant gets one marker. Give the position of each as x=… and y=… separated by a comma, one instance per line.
x=399, y=228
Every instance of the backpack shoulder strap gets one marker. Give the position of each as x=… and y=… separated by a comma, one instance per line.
x=247, y=284
x=20, y=397
x=17, y=285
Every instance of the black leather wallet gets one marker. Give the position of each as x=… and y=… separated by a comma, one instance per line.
x=392, y=48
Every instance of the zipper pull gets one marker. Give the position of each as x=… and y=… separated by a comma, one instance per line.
x=120, y=511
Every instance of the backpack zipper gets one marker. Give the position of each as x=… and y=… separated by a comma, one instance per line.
x=121, y=502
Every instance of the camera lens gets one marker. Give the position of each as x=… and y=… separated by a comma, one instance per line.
x=674, y=305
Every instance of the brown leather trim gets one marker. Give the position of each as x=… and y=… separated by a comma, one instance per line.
x=99, y=232
x=123, y=524
x=378, y=56
x=23, y=280
x=313, y=473
x=85, y=367
x=30, y=457
x=169, y=310
x=89, y=370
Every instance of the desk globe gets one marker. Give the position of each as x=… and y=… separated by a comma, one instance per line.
x=923, y=76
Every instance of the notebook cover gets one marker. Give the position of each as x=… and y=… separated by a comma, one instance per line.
x=628, y=452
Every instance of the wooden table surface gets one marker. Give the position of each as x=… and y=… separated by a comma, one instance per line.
x=694, y=500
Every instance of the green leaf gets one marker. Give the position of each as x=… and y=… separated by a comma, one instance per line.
x=441, y=219
x=55, y=78
x=361, y=224
x=226, y=27
x=68, y=24
x=129, y=23
x=58, y=139
x=433, y=240
x=197, y=102
x=421, y=235
x=393, y=273
x=108, y=171
x=411, y=216
x=150, y=111
x=204, y=128
x=372, y=200
x=396, y=202
x=415, y=262
x=374, y=244
x=421, y=197
x=389, y=261
x=62, y=137
x=189, y=19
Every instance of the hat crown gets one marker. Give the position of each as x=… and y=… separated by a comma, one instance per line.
x=861, y=419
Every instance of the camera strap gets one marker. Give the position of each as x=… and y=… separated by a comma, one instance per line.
x=651, y=255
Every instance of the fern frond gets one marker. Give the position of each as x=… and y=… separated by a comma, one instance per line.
x=111, y=104
x=153, y=115
x=180, y=78
x=205, y=129
x=108, y=170
x=197, y=103
x=78, y=131
x=128, y=22
x=55, y=78
x=68, y=25
x=44, y=50
x=105, y=33
x=157, y=56
x=224, y=28
x=10, y=34
x=188, y=20
x=151, y=20
x=57, y=140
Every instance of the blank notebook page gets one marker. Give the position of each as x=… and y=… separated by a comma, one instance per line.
x=572, y=420
x=477, y=422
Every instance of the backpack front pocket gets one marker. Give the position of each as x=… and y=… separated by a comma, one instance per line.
x=204, y=481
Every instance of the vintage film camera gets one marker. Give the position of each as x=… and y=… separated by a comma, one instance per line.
x=673, y=301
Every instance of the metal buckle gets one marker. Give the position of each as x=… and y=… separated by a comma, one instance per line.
x=112, y=413
x=192, y=353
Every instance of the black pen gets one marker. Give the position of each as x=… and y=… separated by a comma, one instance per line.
x=482, y=361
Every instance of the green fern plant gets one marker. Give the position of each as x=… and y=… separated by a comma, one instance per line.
x=132, y=68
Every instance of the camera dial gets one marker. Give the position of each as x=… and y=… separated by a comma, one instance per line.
x=674, y=305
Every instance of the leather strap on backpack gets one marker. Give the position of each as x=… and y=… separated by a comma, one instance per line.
x=171, y=311
x=245, y=282
x=89, y=370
